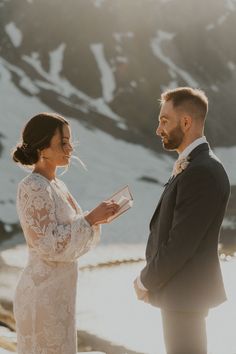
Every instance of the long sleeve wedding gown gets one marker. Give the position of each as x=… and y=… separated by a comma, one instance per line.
x=56, y=233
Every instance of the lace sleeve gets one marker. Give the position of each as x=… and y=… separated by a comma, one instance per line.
x=52, y=240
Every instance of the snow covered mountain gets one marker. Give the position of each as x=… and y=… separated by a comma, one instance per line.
x=104, y=63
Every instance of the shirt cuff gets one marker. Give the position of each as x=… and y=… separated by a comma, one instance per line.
x=140, y=284
x=86, y=221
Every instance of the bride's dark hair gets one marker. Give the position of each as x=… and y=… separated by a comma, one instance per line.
x=36, y=136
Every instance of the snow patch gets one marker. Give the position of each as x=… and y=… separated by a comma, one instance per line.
x=56, y=61
x=230, y=5
x=107, y=77
x=122, y=59
x=98, y=3
x=119, y=36
x=229, y=223
x=24, y=81
x=231, y=65
x=59, y=84
x=215, y=88
x=227, y=155
x=210, y=27
x=133, y=84
x=158, y=52
x=222, y=19
x=14, y=34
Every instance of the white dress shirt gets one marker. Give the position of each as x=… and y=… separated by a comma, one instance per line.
x=192, y=146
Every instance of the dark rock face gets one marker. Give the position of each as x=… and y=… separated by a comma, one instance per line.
x=147, y=44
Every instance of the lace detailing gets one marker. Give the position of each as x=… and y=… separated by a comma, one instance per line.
x=50, y=224
x=57, y=234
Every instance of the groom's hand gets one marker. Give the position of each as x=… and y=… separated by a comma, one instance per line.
x=141, y=294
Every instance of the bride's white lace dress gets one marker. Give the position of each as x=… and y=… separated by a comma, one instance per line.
x=56, y=234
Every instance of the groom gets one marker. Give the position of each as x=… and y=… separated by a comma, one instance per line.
x=182, y=275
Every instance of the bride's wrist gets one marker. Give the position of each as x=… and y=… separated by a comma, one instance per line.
x=89, y=218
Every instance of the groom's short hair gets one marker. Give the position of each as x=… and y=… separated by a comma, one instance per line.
x=193, y=101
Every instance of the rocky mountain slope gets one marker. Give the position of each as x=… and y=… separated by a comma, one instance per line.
x=106, y=62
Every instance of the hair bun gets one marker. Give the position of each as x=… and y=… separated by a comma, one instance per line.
x=24, y=155
x=36, y=136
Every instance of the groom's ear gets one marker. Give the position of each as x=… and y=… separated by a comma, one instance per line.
x=186, y=122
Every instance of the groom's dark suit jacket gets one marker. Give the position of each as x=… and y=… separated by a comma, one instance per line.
x=183, y=271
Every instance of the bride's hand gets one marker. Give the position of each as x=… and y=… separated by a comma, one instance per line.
x=102, y=212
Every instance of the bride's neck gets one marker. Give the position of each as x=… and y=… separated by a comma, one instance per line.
x=47, y=171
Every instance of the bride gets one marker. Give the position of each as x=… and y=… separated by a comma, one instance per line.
x=57, y=232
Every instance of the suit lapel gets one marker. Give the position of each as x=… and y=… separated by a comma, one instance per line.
x=200, y=148
x=167, y=186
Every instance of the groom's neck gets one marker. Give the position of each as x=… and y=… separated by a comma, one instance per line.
x=187, y=141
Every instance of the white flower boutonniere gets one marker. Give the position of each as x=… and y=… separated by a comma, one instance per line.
x=180, y=165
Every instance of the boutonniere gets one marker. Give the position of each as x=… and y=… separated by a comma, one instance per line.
x=181, y=165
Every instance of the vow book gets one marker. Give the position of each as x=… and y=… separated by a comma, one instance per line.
x=125, y=200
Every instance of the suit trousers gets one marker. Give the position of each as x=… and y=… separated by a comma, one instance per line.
x=184, y=332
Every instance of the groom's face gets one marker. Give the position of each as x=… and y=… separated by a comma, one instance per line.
x=169, y=128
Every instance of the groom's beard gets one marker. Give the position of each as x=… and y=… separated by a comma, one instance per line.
x=172, y=140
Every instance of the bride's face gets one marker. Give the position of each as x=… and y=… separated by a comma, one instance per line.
x=60, y=149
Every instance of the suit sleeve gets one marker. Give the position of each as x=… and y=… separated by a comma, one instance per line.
x=197, y=203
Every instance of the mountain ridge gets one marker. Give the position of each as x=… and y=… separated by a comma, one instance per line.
x=107, y=62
